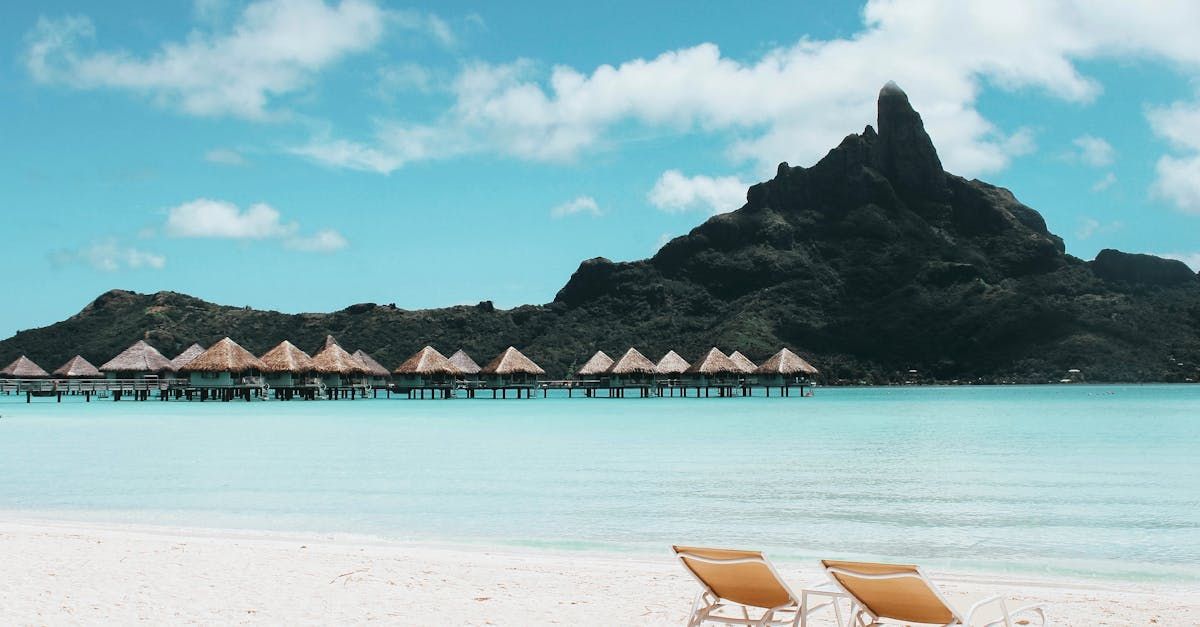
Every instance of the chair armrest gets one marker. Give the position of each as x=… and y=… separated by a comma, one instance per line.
x=1007, y=616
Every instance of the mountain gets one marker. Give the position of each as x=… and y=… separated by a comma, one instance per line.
x=873, y=262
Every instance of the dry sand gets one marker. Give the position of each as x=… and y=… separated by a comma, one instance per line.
x=85, y=573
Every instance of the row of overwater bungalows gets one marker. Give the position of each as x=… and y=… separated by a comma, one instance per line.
x=332, y=370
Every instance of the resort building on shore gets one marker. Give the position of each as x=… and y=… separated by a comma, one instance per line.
x=429, y=370
x=140, y=361
x=511, y=370
x=378, y=377
x=632, y=370
x=24, y=368
x=77, y=368
x=338, y=369
x=783, y=370
x=714, y=370
x=186, y=357
x=287, y=367
x=225, y=365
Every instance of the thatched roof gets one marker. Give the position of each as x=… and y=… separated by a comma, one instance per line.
x=464, y=362
x=374, y=368
x=77, y=368
x=672, y=363
x=427, y=361
x=714, y=362
x=24, y=368
x=141, y=357
x=598, y=364
x=787, y=363
x=633, y=362
x=511, y=361
x=743, y=362
x=186, y=357
x=286, y=357
x=333, y=359
x=225, y=356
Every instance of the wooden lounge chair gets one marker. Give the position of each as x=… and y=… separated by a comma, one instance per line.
x=899, y=593
x=735, y=582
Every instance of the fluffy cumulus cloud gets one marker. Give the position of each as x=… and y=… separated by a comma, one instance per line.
x=675, y=192
x=576, y=206
x=109, y=255
x=1094, y=151
x=218, y=219
x=1178, y=175
x=275, y=47
x=794, y=102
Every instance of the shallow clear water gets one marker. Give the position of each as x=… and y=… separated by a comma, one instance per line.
x=1099, y=481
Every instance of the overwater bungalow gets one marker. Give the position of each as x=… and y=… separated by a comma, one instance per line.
x=714, y=370
x=593, y=373
x=186, y=357
x=429, y=370
x=378, y=377
x=466, y=365
x=226, y=366
x=783, y=370
x=632, y=370
x=670, y=369
x=140, y=361
x=286, y=368
x=511, y=369
x=747, y=368
x=77, y=368
x=23, y=368
x=340, y=372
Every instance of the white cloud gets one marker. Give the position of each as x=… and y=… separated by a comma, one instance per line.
x=403, y=77
x=274, y=48
x=225, y=156
x=1178, y=176
x=582, y=204
x=795, y=102
x=1191, y=259
x=1094, y=151
x=218, y=219
x=1107, y=181
x=674, y=192
x=324, y=241
x=1089, y=227
x=109, y=255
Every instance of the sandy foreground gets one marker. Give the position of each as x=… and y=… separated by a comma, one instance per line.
x=84, y=573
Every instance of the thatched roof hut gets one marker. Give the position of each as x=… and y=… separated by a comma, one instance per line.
x=225, y=356
x=77, y=368
x=597, y=365
x=714, y=362
x=286, y=357
x=672, y=364
x=786, y=363
x=139, y=358
x=427, y=361
x=511, y=362
x=186, y=357
x=23, y=368
x=632, y=362
x=742, y=362
x=374, y=368
x=464, y=363
x=333, y=359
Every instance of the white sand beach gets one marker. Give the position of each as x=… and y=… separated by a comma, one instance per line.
x=72, y=573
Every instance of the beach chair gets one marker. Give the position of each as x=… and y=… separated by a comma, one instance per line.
x=899, y=593
x=736, y=582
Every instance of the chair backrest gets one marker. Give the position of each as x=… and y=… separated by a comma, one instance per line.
x=744, y=577
x=896, y=591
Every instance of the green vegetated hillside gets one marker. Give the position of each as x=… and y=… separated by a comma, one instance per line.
x=871, y=263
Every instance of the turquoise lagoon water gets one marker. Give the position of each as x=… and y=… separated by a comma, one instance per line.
x=1098, y=481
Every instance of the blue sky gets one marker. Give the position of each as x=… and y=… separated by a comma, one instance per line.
x=303, y=155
